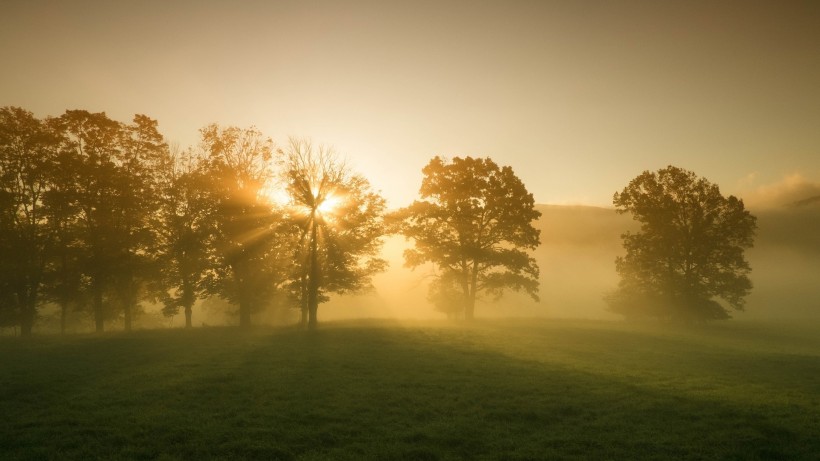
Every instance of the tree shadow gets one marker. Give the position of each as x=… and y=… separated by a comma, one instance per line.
x=372, y=392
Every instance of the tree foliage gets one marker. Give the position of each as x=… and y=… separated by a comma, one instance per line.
x=27, y=153
x=184, y=233
x=474, y=223
x=115, y=188
x=687, y=261
x=99, y=215
x=340, y=219
x=249, y=255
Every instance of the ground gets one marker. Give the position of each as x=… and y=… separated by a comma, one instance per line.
x=506, y=389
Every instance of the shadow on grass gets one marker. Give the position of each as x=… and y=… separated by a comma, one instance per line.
x=377, y=392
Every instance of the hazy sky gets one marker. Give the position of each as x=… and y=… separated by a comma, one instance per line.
x=577, y=96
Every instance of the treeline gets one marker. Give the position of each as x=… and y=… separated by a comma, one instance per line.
x=101, y=216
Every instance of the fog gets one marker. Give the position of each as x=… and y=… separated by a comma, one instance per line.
x=579, y=245
x=576, y=258
x=786, y=264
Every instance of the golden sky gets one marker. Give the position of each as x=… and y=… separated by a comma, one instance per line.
x=577, y=96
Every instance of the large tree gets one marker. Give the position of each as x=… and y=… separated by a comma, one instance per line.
x=27, y=153
x=185, y=233
x=340, y=219
x=115, y=191
x=64, y=277
x=143, y=153
x=474, y=223
x=687, y=261
x=245, y=268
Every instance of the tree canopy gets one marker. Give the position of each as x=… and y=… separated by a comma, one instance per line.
x=27, y=152
x=474, y=223
x=341, y=223
x=250, y=259
x=102, y=216
x=687, y=261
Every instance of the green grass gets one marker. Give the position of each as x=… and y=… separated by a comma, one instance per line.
x=512, y=390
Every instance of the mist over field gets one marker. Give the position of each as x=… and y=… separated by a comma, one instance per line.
x=290, y=230
x=578, y=248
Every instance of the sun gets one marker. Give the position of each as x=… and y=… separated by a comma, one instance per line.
x=329, y=204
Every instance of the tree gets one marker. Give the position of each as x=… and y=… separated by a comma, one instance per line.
x=474, y=223
x=91, y=139
x=689, y=253
x=115, y=192
x=64, y=277
x=185, y=233
x=239, y=165
x=340, y=220
x=142, y=154
x=27, y=152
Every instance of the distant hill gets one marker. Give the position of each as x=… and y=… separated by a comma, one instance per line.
x=786, y=261
x=580, y=243
x=796, y=228
x=582, y=225
x=808, y=201
x=576, y=257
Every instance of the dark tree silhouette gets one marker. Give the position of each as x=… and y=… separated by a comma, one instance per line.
x=65, y=277
x=27, y=152
x=142, y=154
x=689, y=252
x=185, y=233
x=341, y=222
x=245, y=268
x=91, y=138
x=474, y=223
x=115, y=195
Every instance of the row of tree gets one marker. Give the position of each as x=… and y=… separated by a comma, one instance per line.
x=102, y=216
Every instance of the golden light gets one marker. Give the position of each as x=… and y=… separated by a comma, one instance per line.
x=278, y=196
x=275, y=195
x=329, y=204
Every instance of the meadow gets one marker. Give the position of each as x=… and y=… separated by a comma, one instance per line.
x=502, y=389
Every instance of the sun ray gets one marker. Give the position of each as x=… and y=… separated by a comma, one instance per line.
x=329, y=205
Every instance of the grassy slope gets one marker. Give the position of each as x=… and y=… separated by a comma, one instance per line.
x=501, y=390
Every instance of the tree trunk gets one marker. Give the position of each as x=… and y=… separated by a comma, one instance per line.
x=63, y=316
x=303, y=301
x=98, y=310
x=26, y=321
x=470, y=293
x=473, y=291
x=240, y=270
x=28, y=310
x=313, y=280
x=244, y=313
x=129, y=293
x=63, y=292
x=188, y=300
x=128, y=316
x=313, y=302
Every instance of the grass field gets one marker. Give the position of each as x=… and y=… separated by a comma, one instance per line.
x=511, y=389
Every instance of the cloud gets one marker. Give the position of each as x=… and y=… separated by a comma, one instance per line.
x=786, y=192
